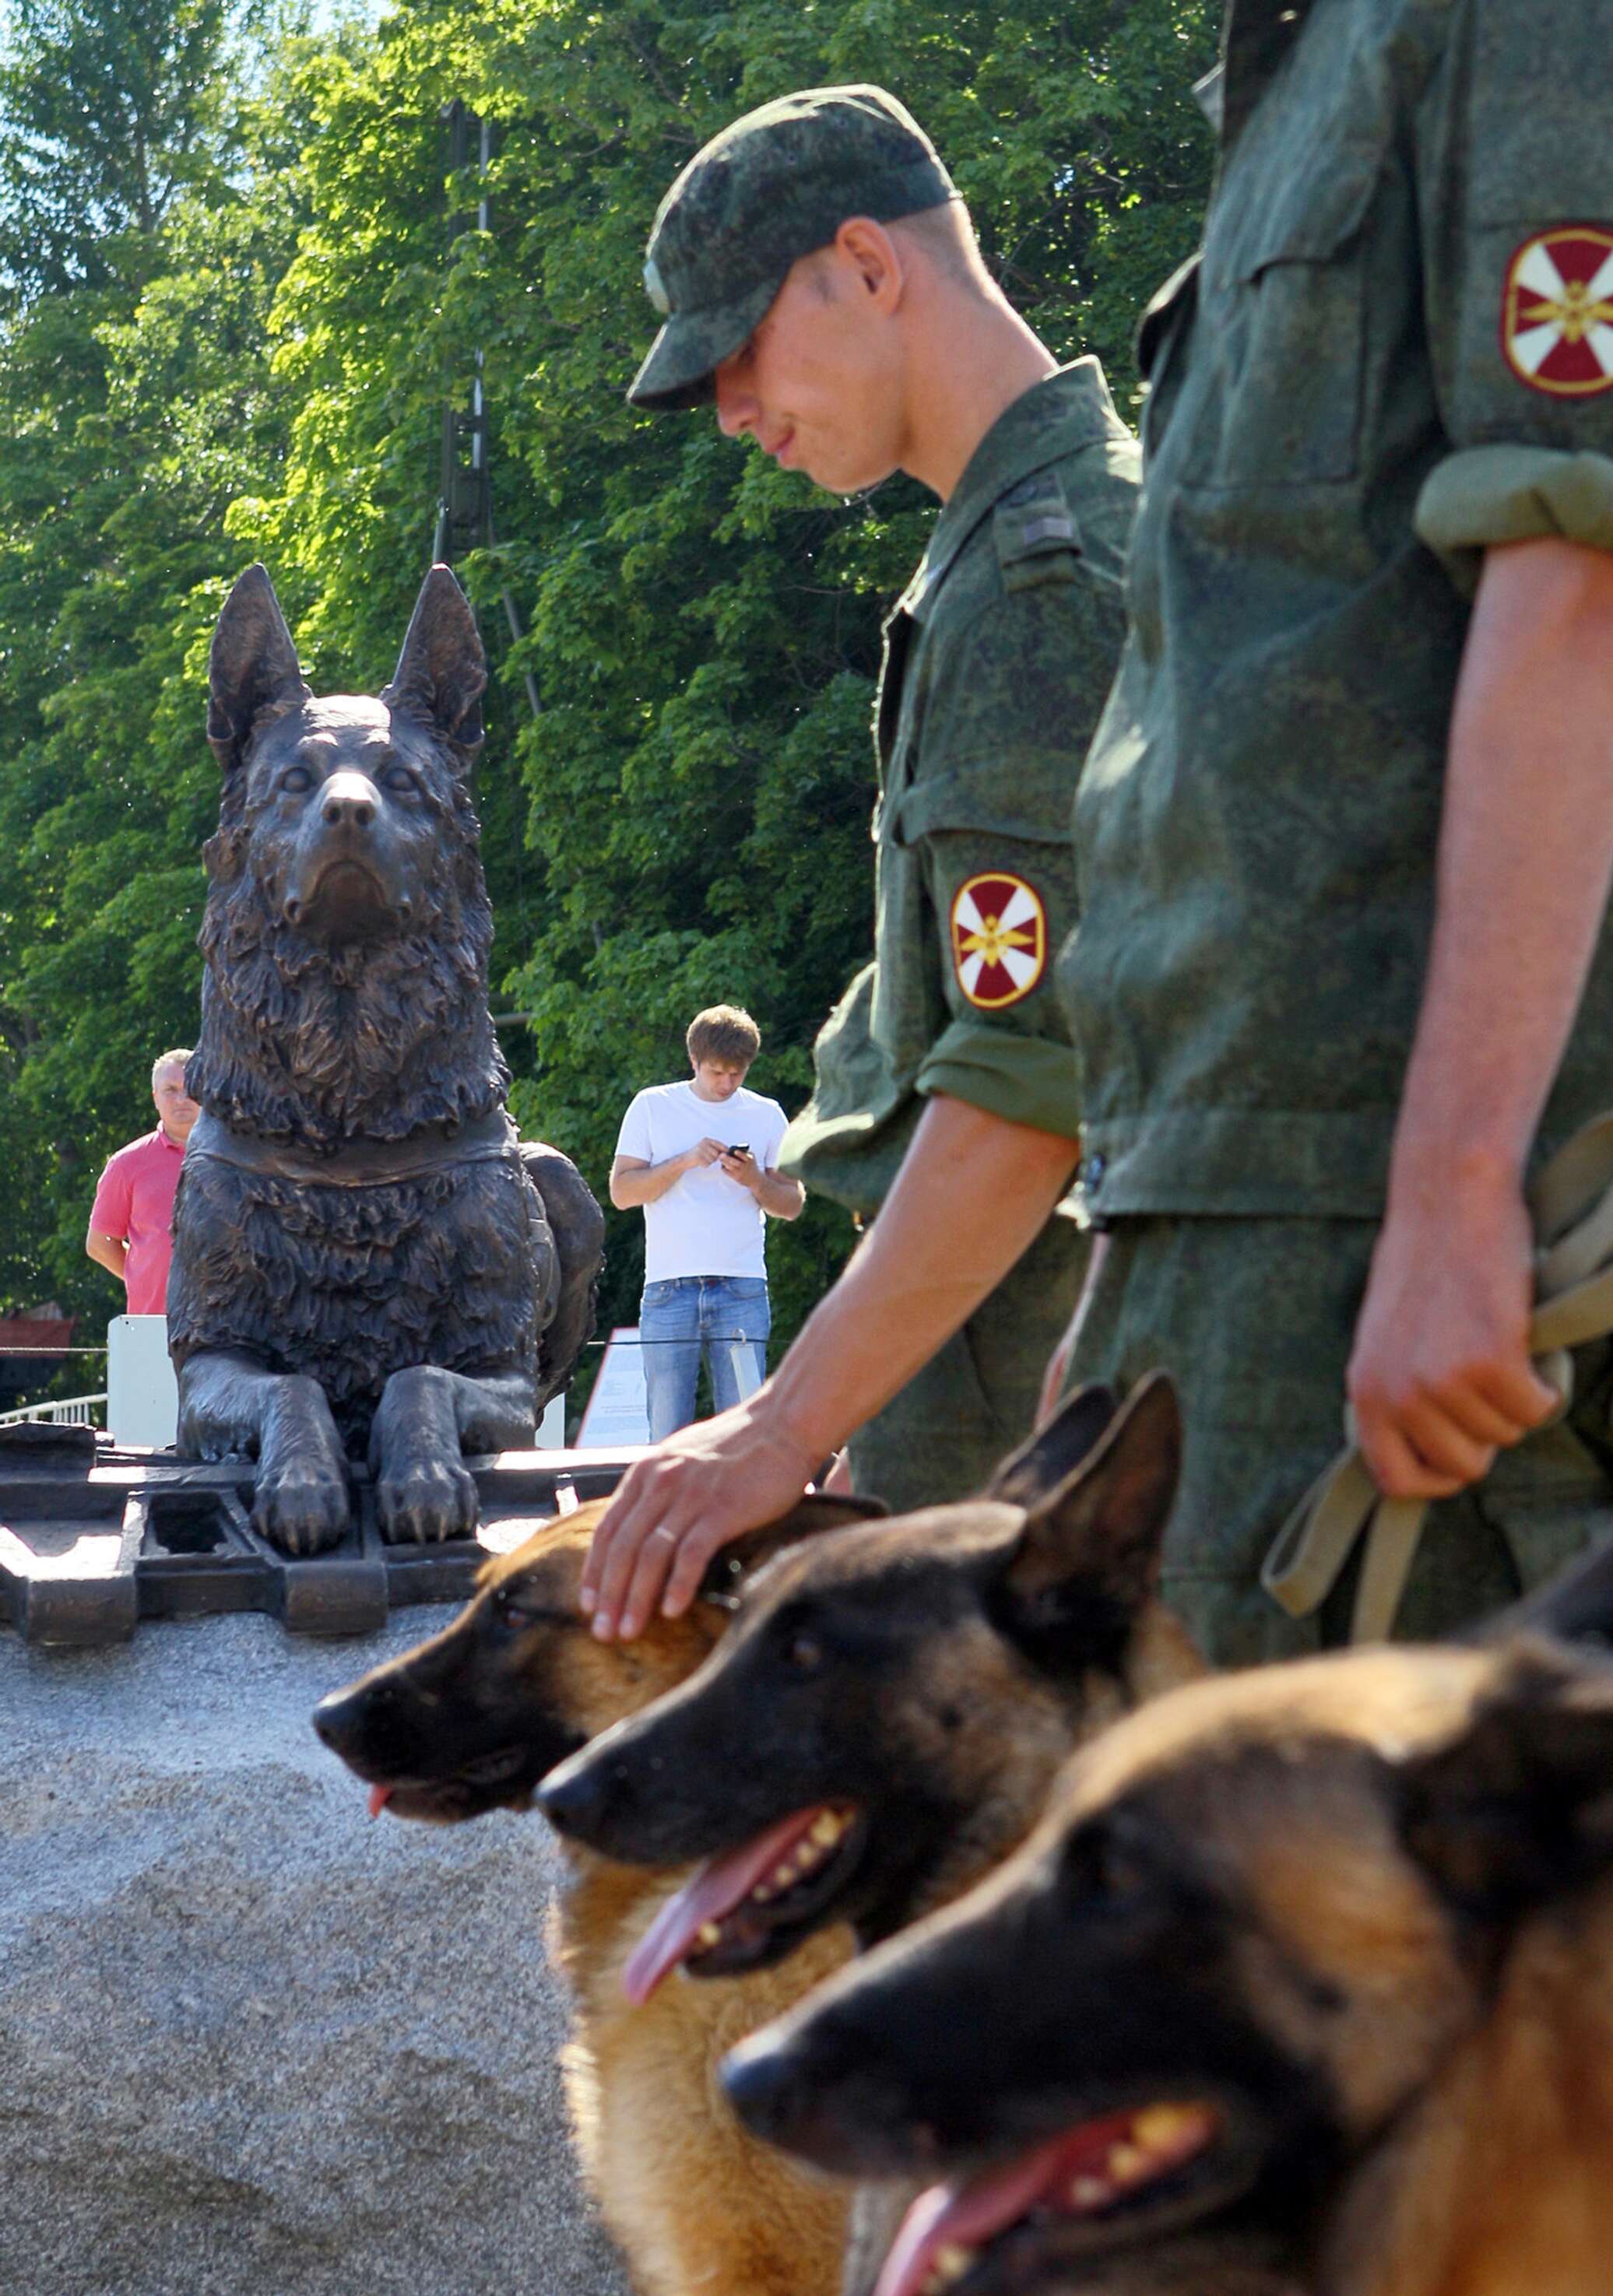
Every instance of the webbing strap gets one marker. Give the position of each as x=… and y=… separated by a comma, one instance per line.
x=1571, y=1205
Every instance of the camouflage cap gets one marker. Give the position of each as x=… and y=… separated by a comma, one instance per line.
x=775, y=186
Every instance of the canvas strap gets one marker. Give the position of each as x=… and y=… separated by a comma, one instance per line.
x=1571, y=1205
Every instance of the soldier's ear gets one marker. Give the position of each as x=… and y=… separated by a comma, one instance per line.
x=1518, y=1807
x=815, y=1513
x=1086, y=1562
x=252, y=672
x=441, y=671
x=1057, y=1448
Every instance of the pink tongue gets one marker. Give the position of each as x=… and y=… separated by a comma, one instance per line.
x=379, y=1798
x=714, y=1890
x=968, y=2216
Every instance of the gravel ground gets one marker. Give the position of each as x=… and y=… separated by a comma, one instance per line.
x=250, y=2041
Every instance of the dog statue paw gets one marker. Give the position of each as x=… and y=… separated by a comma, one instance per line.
x=424, y=1500
x=301, y=1506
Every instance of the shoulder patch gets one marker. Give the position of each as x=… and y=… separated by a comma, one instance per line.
x=1036, y=533
x=1000, y=939
x=1556, y=311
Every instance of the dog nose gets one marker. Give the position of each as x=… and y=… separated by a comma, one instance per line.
x=349, y=801
x=763, y=2084
x=578, y=1796
x=338, y=1716
x=821, y=2093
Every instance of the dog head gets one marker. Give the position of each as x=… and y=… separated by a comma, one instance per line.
x=883, y=1719
x=347, y=917
x=470, y=1721
x=1257, y=1919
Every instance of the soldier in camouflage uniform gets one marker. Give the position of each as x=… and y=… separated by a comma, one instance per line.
x=819, y=281
x=1345, y=832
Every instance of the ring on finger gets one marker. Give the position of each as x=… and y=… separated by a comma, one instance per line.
x=661, y=1531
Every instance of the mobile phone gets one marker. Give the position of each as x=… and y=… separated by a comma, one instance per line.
x=738, y=1148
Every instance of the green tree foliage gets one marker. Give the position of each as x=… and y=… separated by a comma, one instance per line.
x=111, y=108
x=136, y=399
x=685, y=818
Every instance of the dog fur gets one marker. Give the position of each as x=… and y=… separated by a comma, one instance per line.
x=924, y=1677
x=363, y=1253
x=1359, y=1908
x=469, y=1722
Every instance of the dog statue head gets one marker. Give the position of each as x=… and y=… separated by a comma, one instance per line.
x=348, y=926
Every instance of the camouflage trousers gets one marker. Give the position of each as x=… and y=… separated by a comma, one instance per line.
x=939, y=1439
x=1254, y=1319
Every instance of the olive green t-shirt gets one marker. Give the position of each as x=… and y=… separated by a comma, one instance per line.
x=1395, y=351
x=996, y=659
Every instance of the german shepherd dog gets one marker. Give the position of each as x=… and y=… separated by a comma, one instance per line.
x=364, y=1253
x=881, y=1725
x=1304, y=1983
x=469, y=1722
x=475, y=1718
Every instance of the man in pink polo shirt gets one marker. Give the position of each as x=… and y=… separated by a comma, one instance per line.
x=131, y=1221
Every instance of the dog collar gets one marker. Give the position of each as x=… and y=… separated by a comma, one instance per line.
x=357, y=1163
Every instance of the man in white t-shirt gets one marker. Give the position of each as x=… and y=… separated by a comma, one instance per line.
x=698, y=1159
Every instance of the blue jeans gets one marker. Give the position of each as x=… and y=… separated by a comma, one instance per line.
x=727, y=1316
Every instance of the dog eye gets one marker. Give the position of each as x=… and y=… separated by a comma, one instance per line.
x=805, y=1653
x=513, y=1612
x=400, y=780
x=1108, y=1862
x=1120, y=1871
x=296, y=778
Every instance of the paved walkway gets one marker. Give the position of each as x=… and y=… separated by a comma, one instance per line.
x=250, y=2043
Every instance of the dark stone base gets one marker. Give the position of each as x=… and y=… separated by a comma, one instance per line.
x=94, y=1539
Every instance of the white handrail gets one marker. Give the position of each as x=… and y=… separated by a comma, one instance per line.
x=72, y=1411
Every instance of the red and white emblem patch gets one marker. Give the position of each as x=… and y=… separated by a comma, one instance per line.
x=1000, y=939
x=1557, y=313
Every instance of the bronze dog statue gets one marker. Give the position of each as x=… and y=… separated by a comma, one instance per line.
x=364, y=1251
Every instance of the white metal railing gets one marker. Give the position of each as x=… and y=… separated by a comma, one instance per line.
x=72, y=1411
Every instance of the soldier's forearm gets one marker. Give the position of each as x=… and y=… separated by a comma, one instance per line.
x=972, y=1194
x=1525, y=856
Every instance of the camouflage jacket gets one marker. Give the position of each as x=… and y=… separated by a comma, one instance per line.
x=1394, y=349
x=996, y=659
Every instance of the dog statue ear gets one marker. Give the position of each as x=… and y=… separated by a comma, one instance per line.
x=1056, y=1449
x=252, y=672
x=815, y=1512
x=1086, y=1559
x=1519, y=1807
x=441, y=671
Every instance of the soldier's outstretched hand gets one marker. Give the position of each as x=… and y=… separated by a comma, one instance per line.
x=706, y=1485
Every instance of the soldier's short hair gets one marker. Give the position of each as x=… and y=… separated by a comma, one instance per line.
x=723, y=1032
x=181, y=1053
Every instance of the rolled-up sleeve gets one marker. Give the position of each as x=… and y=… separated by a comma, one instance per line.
x=1516, y=191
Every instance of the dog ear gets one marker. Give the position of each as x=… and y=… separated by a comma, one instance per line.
x=252, y=672
x=1087, y=1560
x=1057, y=1448
x=815, y=1512
x=1519, y=1807
x=441, y=670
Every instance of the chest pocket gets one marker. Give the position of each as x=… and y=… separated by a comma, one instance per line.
x=1282, y=291
x=1161, y=341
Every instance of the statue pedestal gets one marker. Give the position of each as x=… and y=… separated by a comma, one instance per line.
x=95, y=1536
x=255, y=2045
